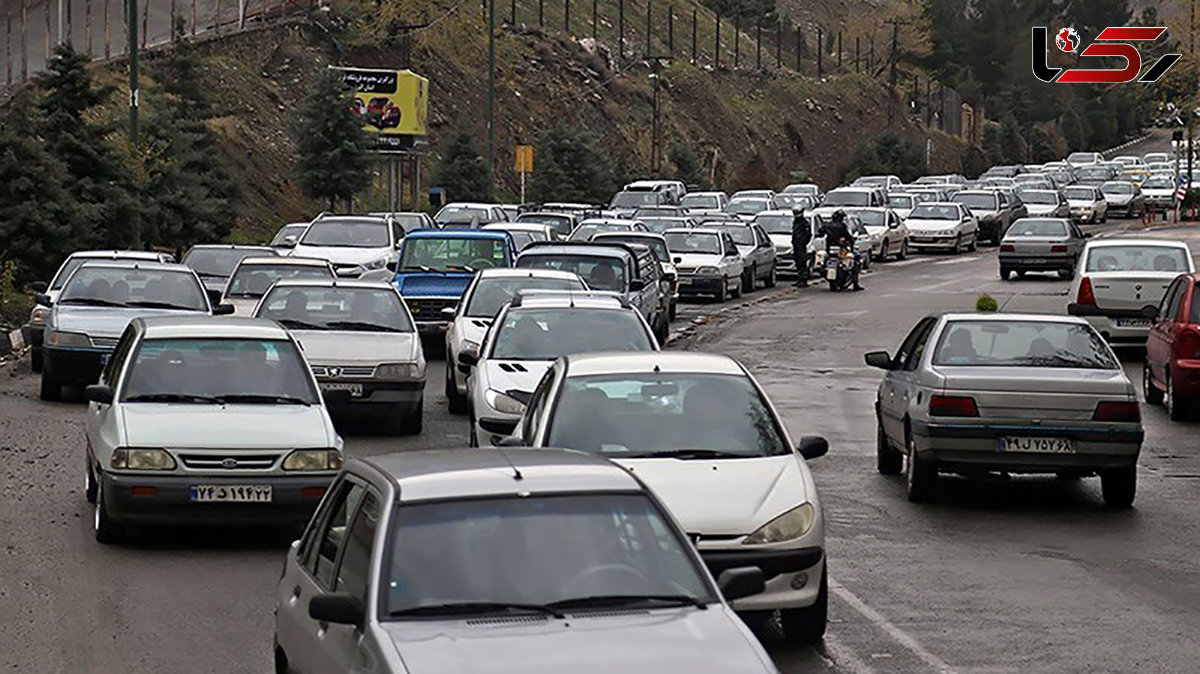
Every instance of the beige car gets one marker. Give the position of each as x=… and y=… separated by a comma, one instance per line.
x=254, y=276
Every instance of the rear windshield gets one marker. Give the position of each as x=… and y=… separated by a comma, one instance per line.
x=599, y=272
x=656, y=245
x=934, y=212
x=1023, y=344
x=344, y=233
x=748, y=206
x=700, y=201
x=742, y=236
x=1039, y=197
x=900, y=202
x=494, y=292
x=1138, y=258
x=130, y=287
x=660, y=225
x=1116, y=188
x=546, y=334
x=1079, y=193
x=847, y=198
x=872, y=218
x=1038, y=228
x=980, y=201
x=775, y=224
x=585, y=232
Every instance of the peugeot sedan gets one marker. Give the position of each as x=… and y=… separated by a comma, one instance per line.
x=708, y=262
x=1045, y=203
x=254, y=276
x=945, y=226
x=1041, y=244
x=1087, y=204
x=1124, y=197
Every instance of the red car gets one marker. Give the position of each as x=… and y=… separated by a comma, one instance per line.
x=1171, y=373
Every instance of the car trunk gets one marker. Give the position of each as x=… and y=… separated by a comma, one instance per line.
x=1034, y=245
x=1047, y=394
x=1130, y=290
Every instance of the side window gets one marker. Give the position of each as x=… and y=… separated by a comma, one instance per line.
x=355, y=569
x=910, y=342
x=117, y=360
x=537, y=405
x=1168, y=300
x=918, y=350
x=315, y=524
x=1174, y=309
x=332, y=534
x=397, y=232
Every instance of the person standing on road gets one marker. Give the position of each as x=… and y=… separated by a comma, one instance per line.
x=801, y=236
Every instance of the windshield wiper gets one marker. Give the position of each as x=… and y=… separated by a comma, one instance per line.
x=599, y=601
x=463, y=267
x=92, y=301
x=417, y=267
x=150, y=304
x=173, y=398
x=361, y=325
x=299, y=325
x=265, y=398
x=474, y=608
x=686, y=454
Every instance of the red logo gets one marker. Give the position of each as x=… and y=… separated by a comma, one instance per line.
x=1112, y=41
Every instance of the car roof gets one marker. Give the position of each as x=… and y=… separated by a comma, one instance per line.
x=627, y=235
x=148, y=265
x=551, y=214
x=518, y=226
x=575, y=248
x=471, y=204
x=205, y=326
x=694, y=230
x=710, y=193
x=558, y=299
x=624, y=222
x=457, y=234
x=467, y=473
x=1001, y=316
x=512, y=272
x=230, y=246
x=775, y=212
x=285, y=260
x=332, y=283
x=579, y=365
x=117, y=254
x=1136, y=241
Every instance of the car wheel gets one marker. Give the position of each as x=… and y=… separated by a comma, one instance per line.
x=664, y=331
x=51, y=389
x=748, y=281
x=456, y=401
x=1067, y=273
x=673, y=311
x=808, y=623
x=737, y=290
x=887, y=460
x=883, y=251
x=1119, y=486
x=35, y=360
x=974, y=245
x=1005, y=273
x=723, y=291
x=1104, y=218
x=281, y=661
x=1179, y=408
x=89, y=482
x=412, y=424
x=1151, y=393
x=903, y=250
x=920, y=477
x=107, y=531
x=771, y=278
x=958, y=244
x=473, y=436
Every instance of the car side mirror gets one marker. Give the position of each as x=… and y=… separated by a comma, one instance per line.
x=512, y=441
x=813, y=447
x=741, y=582
x=43, y=299
x=223, y=310
x=448, y=313
x=1087, y=235
x=98, y=393
x=636, y=284
x=880, y=359
x=289, y=241
x=338, y=608
x=1150, y=311
x=39, y=286
x=467, y=359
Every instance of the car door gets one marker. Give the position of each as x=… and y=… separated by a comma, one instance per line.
x=1160, y=341
x=732, y=258
x=103, y=430
x=765, y=249
x=1075, y=241
x=898, y=385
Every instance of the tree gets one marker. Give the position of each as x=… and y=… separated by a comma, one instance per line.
x=331, y=144
x=886, y=154
x=572, y=167
x=687, y=164
x=974, y=162
x=462, y=170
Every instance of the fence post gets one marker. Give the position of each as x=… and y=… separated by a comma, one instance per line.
x=799, y=51
x=758, y=45
x=87, y=25
x=8, y=70
x=778, y=44
x=567, y=16
x=264, y=15
x=107, y=33
x=216, y=15
x=857, y=65
x=541, y=14
x=649, y=10
x=737, y=41
x=717, y=51
x=928, y=102
x=941, y=106
x=46, y=37
x=145, y=21
x=241, y=16
x=621, y=28
x=671, y=31
x=512, y=16
x=695, y=17
x=595, y=19
x=839, y=48
x=871, y=58
x=820, y=51
x=70, y=27
x=24, y=37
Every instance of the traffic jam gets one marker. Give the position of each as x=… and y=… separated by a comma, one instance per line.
x=564, y=476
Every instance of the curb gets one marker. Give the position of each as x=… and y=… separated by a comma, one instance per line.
x=705, y=319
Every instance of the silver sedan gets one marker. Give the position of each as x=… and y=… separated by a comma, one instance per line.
x=1041, y=244
x=1019, y=393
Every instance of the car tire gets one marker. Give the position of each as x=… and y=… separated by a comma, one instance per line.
x=920, y=477
x=1119, y=486
x=1151, y=393
x=107, y=530
x=723, y=291
x=772, y=277
x=663, y=333
x=1179, y=408
x=974, y=245
x=673, y=311
x=51, y=389
x=1005, y=273
x=1104, y=218
x=473, y=435
x=455, y=401
x=958, y=247
x=887, y=460
x=808, y=624
x=89, y=482
x=413, y=423
x=883, y=252
x=736, y=293
x=281, y=660
x=1067, y=274
x=903, y=254
x=35, y=360
x=749, y=280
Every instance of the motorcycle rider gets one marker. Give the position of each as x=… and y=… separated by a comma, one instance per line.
x=801, y=236
x=837, y=234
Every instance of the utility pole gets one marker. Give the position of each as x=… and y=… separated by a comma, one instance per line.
x=892, y=71
x=134, y=94
x=656, y=127
x=491, y=95
x=1191, y=114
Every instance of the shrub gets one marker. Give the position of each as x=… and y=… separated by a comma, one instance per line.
x=987, y=304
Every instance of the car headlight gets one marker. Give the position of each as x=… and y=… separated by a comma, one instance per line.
x=142, y=459
x=789, y=526
x=313, y=460
x=76, y=339
x=502, y=402
x=707, y=271
x=783, y=250
x=405, y=371
x=39, y=315
x=376, y=264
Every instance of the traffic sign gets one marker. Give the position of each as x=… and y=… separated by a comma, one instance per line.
x=524, y=159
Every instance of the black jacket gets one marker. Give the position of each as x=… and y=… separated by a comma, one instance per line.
x=835, y=232
x=801, y=234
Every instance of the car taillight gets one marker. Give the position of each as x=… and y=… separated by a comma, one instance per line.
x=1086, y=294
x=1007, y=248
x=952, y=406
x=1058, y=249
x=1188, y=344
x=1115, y=411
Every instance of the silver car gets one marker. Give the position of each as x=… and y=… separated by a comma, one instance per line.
x=483, y=562
x=214, y=263
x=1018, y=393
x=361, y=342
x=757, y=252
x=1045, y=203
x=1041, y=244
x=254, y=276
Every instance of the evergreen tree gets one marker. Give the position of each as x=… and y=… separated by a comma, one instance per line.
x=887, y=154
x=572, y=167
x=974, y=162
x=687, y=165
x=462, y=170
x=331, y=143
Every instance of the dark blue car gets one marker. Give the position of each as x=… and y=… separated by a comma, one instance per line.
x=436, y=266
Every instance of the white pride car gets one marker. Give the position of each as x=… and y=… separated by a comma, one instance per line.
x=945, y=226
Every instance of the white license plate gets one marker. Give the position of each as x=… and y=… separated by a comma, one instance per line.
x=831, y=274
x=1037, y=445
x=1133, y=322
x=355, y=390
x=232, y=493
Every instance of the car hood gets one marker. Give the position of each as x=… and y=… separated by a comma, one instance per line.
x=472, y=329
x=781, y=240
x=711, y=641
x=347, y=347
x=753, y=491
x=902, y=212
x=225, y=426
x=1158, y=191
x=917, y=224
x=104, y=321
x=1118, y=198
x=340, y=255
x=514, y=375
x=420, y=284
x=695, y=259
x=1082, y=203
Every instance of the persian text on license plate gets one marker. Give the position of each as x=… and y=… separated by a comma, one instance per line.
x=355, y=390
x=1133, y=322
x=831, y=273
x=232, y=493
x=1038, y=445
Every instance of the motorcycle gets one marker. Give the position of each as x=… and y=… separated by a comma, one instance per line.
x=839, y=268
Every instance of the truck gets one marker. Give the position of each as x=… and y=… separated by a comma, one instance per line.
x=436, y=266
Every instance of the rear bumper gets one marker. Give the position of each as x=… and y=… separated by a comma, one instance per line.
x=377, y=396
x=74, y=367
x=1052, y=262
x=1114, y=326
x=171, y=502
x=1185, y=373
x=977, y=446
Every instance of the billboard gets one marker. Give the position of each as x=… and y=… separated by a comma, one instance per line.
x=392, y=103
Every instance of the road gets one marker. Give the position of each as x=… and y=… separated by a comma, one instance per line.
x=1023, y=575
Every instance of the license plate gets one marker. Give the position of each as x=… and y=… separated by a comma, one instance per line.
x=1037, y=445
x=355, y=390
x=1133, y=322
x=831, y=274
x=231, y=493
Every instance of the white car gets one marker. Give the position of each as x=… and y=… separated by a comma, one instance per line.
x=254, y=276
x=885, y=183
x=525, y=233
x=1159, y=192
x=536, y=328
x=946, y=226
x=591, y=226
x=805, y=189
x=1078, y=159
x=488, y=292
x=707, y=261
x=1087, y=203
x=462, y=215
x=1130, y=161
x=1157, y=157
x=354, y=244
x=698, y=429
x=849, y=197
x=206, y=420
x=749, y=205
x=885, y=230
x=1120, y=280
x=902, y=203
x=702, y=203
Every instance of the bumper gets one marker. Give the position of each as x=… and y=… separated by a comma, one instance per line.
x=700, y=285
x=977, y=446
x=793, y=576
x=1052, y=262
x=74, y=367
x=491, y=429
x=1127, y=327
x=377, y=396
x=923, y=242
x=1091, y=216
x=432, y=327
x=33, y=335
x=171, y=503
x=1186, y=375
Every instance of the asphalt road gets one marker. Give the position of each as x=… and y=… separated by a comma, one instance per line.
x=1022, y=575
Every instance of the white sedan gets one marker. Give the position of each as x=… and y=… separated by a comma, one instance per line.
x=945, y=226
x=885, y=230
x=707, y=261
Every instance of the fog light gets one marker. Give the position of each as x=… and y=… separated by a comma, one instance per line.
x=799, y=581
x=144, y=491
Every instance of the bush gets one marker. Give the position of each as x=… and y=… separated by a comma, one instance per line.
x=987, y=304
x=331, y=144
x=572, y=166
x=889, y=153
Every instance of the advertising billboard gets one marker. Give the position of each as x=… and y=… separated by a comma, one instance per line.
x=392, y=103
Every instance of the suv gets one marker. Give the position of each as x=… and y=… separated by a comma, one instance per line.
x=629, y=270
x=658, y=245
x=354, y=244
x=435, y=267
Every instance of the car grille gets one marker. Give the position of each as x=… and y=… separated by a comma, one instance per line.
x=685, y=270
x=229, y=461
x=104, y=342
x=335, y=371
x=429, y=308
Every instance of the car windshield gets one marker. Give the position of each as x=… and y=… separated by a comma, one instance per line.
x=347, y=234
x=802, y=189
x=847, y=198
x=775, y=224
x=741, y=235
x=288, y=230
x=493, y=292
x=434, y=254
x=130, y=287
x=900, y=202
x=497, y=555
x=253, y=280
x=585, y=232
x=1138, y=258
x=634, y=199
x=871, y=181
x=217, y=371
x=546, y=334
x=599, y=272
x=1081, y=157
x=522, y=239
x=747, y=206
x=872, y=218
x=630, y=415
x=1158, y=184
x=219, y=262
x=981, y=202
x=933, y=212
x=1079, y=193
x=561, y=223
x=1116, y=188
x=336, y=308
x=1031, y=197
x=1038, y=228
x=706, y=243
x=700, y=201
x=456, y=214
x=1023, y=344
x=660, y=225
x=655, y=244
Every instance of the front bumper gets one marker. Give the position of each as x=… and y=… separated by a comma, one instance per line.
x=792, y=576
x=700, y=285
x=1051, y=262
x=925, y=241
x=34, y=335
x=380, y=395
x=171, y=503
x=1085, y=216
x=976, y=445
x=74, y=367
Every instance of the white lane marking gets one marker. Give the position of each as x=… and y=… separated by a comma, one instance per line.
x=900, y=636
x=960, y=260
x=843, y=656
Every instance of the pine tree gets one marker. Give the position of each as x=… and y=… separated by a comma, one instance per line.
x=573, y=168
x=687, y=164
x=462, y=171
x=332, y=145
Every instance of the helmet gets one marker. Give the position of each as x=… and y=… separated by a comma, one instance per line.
x=839, y=216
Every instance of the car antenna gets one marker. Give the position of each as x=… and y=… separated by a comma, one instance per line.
x=516, y=471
